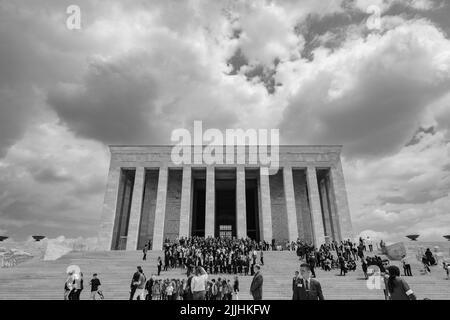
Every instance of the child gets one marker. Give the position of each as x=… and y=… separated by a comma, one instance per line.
x=95, y=284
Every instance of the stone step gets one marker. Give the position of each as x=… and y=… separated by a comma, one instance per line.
x=45, y=279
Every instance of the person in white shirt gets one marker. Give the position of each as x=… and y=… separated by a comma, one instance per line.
x=198, y=284
x=406, y=266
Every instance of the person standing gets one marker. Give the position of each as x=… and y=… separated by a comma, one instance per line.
x=397, y=287
x=406, y=266
x=198, y=284
x=159, y=265
x=261, y=257
x=144, y=251
x=256, y=288
x=78, y=286
x=236, y=288
x=170, y=291
x=307, y=288
x=294, y=284
x=149, y=287
x=68, y=285
x=134, y=279
x=312, y=263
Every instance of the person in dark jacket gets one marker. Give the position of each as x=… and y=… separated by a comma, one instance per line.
x=149, y=287
x=236, y=287
x=256, y=288
x=135, y=279
x=307, y=288
x=159, y=265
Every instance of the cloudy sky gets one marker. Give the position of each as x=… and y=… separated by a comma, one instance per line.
x=323, y=72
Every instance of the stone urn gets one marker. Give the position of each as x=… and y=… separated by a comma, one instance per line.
x=447, y=237
x=38, y=238
x=3, y=238
x=412, y=237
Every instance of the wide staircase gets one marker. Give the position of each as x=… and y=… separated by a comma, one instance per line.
x=45, y=280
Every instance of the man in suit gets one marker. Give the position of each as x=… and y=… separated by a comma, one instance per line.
x=307, y=288
x=257, y=284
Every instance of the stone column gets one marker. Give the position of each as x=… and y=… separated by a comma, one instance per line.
x=210, y=206
x=185, y=211
x=345, y=228
x=105, y=234
x=265, y=205
x=290, y=203
x=241, y=212
x=316, y=211
x=160, y=211
x=136, y=209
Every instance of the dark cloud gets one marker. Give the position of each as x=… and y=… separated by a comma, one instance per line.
x=115, y=103
x=328, y=31
x=379, y=111
x=419, y=134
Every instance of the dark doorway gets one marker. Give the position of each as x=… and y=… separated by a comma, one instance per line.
x=225, y=209
x=251, y=201
x=198, y=208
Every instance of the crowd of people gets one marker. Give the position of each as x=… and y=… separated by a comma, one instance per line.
x=215, y=255
x=197, y=286
x=201, y=258
x=334, y=255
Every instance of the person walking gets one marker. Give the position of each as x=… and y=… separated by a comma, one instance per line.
x=446, y=267
x=398, y=288
x=307, y=288
x=364, y=268
x=138, y=285
x=256, y=288
x=95, y=285
x=261, y=257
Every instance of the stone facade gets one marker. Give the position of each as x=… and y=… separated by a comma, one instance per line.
x=305, y=199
